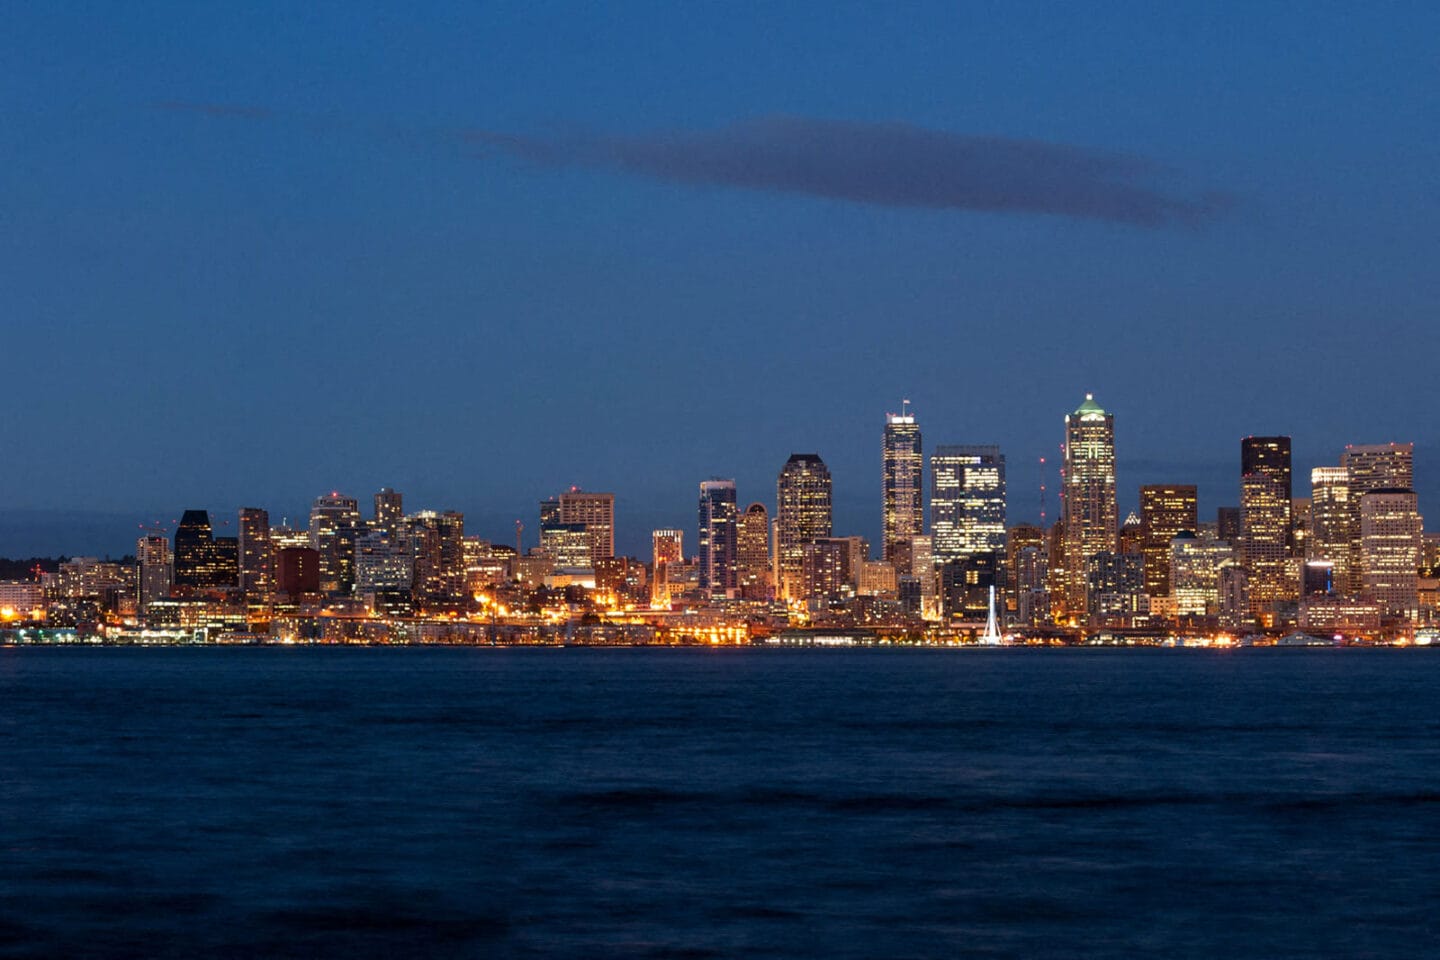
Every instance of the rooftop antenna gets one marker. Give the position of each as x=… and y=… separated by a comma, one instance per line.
x=1041, y=468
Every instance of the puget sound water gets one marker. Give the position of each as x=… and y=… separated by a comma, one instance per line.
x=299, y=802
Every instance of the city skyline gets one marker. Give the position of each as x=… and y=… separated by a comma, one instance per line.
x=242, y=274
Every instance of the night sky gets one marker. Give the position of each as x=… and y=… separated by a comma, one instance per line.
x=485, y=251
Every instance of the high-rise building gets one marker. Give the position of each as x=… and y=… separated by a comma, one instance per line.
x=902, y=465
x=1165, y=510
x=1115, y=587
x=389, y=511
x=967, y=501
x=752, y=548
x=156, y=565
x=802, y=499
x=257, y=560
x=596, y=511
x=334, y=524
x=1390, y=542
x=437, y=545
x=1300, y=508
x=203, y=561
x=1017, y=538
x=1091, y=511
x=1265, y=534
x=719, y=560
x=1372, y=466
x=1195, y=573
x=1227, y=525
x=1331, y=517
x=382, y=564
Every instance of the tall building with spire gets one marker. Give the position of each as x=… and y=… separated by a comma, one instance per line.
x=903, y=506
x=718, y=554
x=803, y=514
x=1265, y=527
x=1090, y=510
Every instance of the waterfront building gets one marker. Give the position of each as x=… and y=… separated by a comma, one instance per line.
x=967, y=501
x=719, y=560
x=1115, y=587
x=1091, y=512
x=966, y=584
x=902, y=462
x=803, y=514
x=1165, y=511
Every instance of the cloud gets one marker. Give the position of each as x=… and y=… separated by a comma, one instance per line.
x=888, y=164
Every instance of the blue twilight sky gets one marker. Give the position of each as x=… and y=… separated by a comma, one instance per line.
x=479, y=252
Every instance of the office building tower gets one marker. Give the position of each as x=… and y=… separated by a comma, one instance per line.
x=1017, y=538
x=802, y=514
x=1115, y=586
x=596, y=513
x=825, y=569
x=1390, y=550
x=966, y=582
x=437, y=546
x=1165, y=510
x=227, y=563
x=1091, y=513
x=922, y=568
x=257, y=561
x=719, y=560
x=1317, y=578
x=1331, y=519
x=967, y=501
x=903, y=506
x=297, y=572
x=389, y=511
x=1300, y=508
x=1265, y=534
x=752, y=548
x=1195, y=565
x=383, y=564
x=156, y=563
x=195, y=567
x=1372, y=466
x=1031, y=572
x=334, y=524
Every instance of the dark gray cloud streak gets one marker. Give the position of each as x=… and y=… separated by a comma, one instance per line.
x=888, y=164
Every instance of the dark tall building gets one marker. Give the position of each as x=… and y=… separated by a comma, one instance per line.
x=227, y=562
x=965, y=585
x=197, y=564
x=719, y=555
x=1266, y=538
x=1227, y=525
x=802, y=515
x=257, y=565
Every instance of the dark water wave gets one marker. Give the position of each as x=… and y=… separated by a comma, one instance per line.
x=459, y=803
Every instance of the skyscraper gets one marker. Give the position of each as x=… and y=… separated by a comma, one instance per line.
x=1265, y=535
x=903, y=504
x=752, y=546
x=156, y=569
x=596, y=512
x=257, y=562
x=1390, y=539
x=802, y=515
x=667, y=550
x=718, y=553
x=1331, y=517
x=967, y=501
x=389, y=511
x=334, y=520
x=197, y=563
x=1091, y=512
x=1372, y=466
x=1165, y=510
